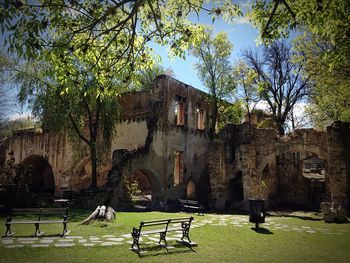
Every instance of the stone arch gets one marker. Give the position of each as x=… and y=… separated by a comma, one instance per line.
x=148, y=184
x=191, y=190
x=38, y=174
x=266, y=172
x=269, y=174
x=284, y=148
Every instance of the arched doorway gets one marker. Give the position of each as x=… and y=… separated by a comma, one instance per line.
x=191, y=190
x=143, y=187
x=236, y=188
x=38, y=175
x=301, y=179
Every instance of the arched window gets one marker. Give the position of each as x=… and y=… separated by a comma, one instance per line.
x=191, y=190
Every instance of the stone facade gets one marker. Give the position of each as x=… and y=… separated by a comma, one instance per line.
x=157, y=126
x=271, y=167
x=162, y=142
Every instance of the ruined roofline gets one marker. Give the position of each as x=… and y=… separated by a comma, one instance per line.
x=164, y=76
x=27, y=131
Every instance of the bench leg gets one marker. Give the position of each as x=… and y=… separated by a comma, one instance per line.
x=185, y=234
x=135, y=239
x=135, y=242
x=64, y=229
x=8, y=231
x=162, y=236
x=37, y=230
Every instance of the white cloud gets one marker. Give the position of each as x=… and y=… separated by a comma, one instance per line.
x=20, y=115
x=241, y=20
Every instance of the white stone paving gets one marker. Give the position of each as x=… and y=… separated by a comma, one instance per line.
x=7, y=242
x=46, y=241
x=40, y=245
x=65, y=245
x=240, y=221
x=89, y=244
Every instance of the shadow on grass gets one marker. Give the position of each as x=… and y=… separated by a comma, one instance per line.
x=33, y=236
x=262, y=230
x=152, y=251
x=78, y=215
x=308, y=218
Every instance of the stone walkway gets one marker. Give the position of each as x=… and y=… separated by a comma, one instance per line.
x=272, y=224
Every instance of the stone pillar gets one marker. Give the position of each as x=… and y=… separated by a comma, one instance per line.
x=336, y=145
x=216, y=174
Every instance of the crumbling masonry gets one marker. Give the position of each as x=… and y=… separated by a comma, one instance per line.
x=162, y=142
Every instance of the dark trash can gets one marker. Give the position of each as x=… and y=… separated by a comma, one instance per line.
x=257, y=211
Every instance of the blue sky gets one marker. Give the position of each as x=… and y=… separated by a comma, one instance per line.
x=241, y=34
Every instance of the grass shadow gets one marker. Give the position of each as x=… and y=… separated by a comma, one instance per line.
x=78, y=215
x=262, y=230
x=307, y=218
x=157, y=250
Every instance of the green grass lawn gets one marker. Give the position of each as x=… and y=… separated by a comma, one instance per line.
x=283, y=239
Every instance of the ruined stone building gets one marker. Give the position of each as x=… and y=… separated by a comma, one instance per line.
x=302, y=169
x=162, y=142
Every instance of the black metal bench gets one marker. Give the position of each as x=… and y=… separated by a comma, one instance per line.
x=191, y=206
x=41, y=215
x=162, y=227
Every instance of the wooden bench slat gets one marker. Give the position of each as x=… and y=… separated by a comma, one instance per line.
x=156, y=221
x=154, y=224
x=42, y=214
x=172, y=224
x=23, y=222
x=156, y=231
x=191, y=204
x=174, y=229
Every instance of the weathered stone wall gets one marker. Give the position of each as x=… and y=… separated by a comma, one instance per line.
x=167, y=139
x=147, y=132
x=271, y=165
x=70, y=172
x=338, y=162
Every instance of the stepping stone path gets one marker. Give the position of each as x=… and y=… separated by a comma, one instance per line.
x=239, y=221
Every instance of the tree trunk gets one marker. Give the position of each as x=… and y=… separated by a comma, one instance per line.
x=110, y=214
x=280, y=128
x=92, y=216
x=93, y=159
x=101, y=213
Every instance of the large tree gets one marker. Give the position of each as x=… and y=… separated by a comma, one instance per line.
x=246, y=80
x=6, y=98
x=88, y=52
x=144, y=79
x=281, y=83
x=323, y=45
x=213, y=53
x=330, y=96
x=74, y=95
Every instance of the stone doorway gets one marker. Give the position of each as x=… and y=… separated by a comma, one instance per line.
x=191, y=190
x=302, y=180
x=236, y=188
x=145, y=187
x=38, y=174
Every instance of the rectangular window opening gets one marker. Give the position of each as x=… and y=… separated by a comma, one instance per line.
x=178, y=168
x=180, y=111
x=200, y=119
